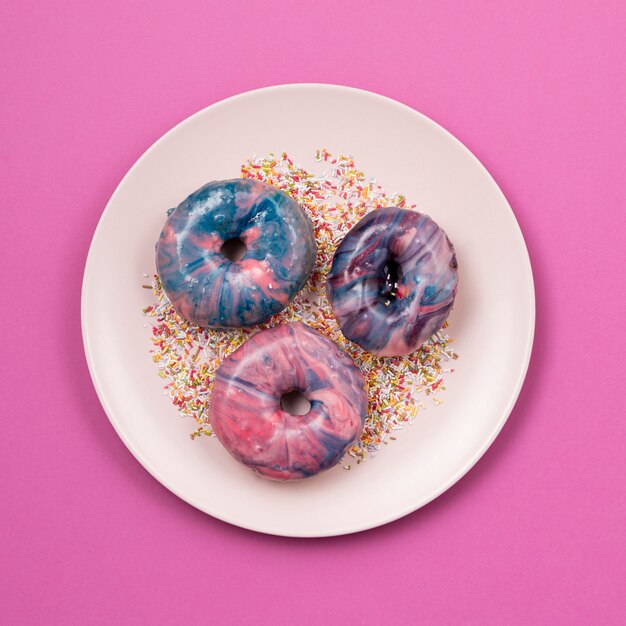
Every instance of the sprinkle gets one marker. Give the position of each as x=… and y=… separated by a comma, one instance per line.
x=187, y=356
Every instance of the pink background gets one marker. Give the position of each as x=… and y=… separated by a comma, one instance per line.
x=535, y=533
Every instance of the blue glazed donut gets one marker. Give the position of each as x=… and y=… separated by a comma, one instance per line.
x=393, y=281
x=206, y=287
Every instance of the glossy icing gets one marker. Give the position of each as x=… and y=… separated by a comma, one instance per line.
x=208, y=289
x=393, y=281
x=246, y=412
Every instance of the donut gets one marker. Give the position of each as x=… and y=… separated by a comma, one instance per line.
x=210, y=289
x=392, y=281
x=246, y=412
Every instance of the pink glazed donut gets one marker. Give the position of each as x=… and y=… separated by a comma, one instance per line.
x=246, y=412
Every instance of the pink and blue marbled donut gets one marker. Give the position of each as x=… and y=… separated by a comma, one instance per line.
x=209, y=289
x=246, y=412
x=393, y=281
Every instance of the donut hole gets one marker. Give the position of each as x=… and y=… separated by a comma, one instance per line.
x=390, y=279
x=295, y=403
x=234, y=249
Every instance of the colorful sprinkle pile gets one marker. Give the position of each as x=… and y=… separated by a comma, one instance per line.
x=187, y=356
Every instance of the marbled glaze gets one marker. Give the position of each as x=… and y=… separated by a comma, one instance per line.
x=208, y=289
x=246, y=412
x=393, y=319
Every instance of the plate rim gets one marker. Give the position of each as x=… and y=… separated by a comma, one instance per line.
x=355, y=527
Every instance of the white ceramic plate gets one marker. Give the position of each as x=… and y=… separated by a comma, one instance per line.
x=492, y=322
